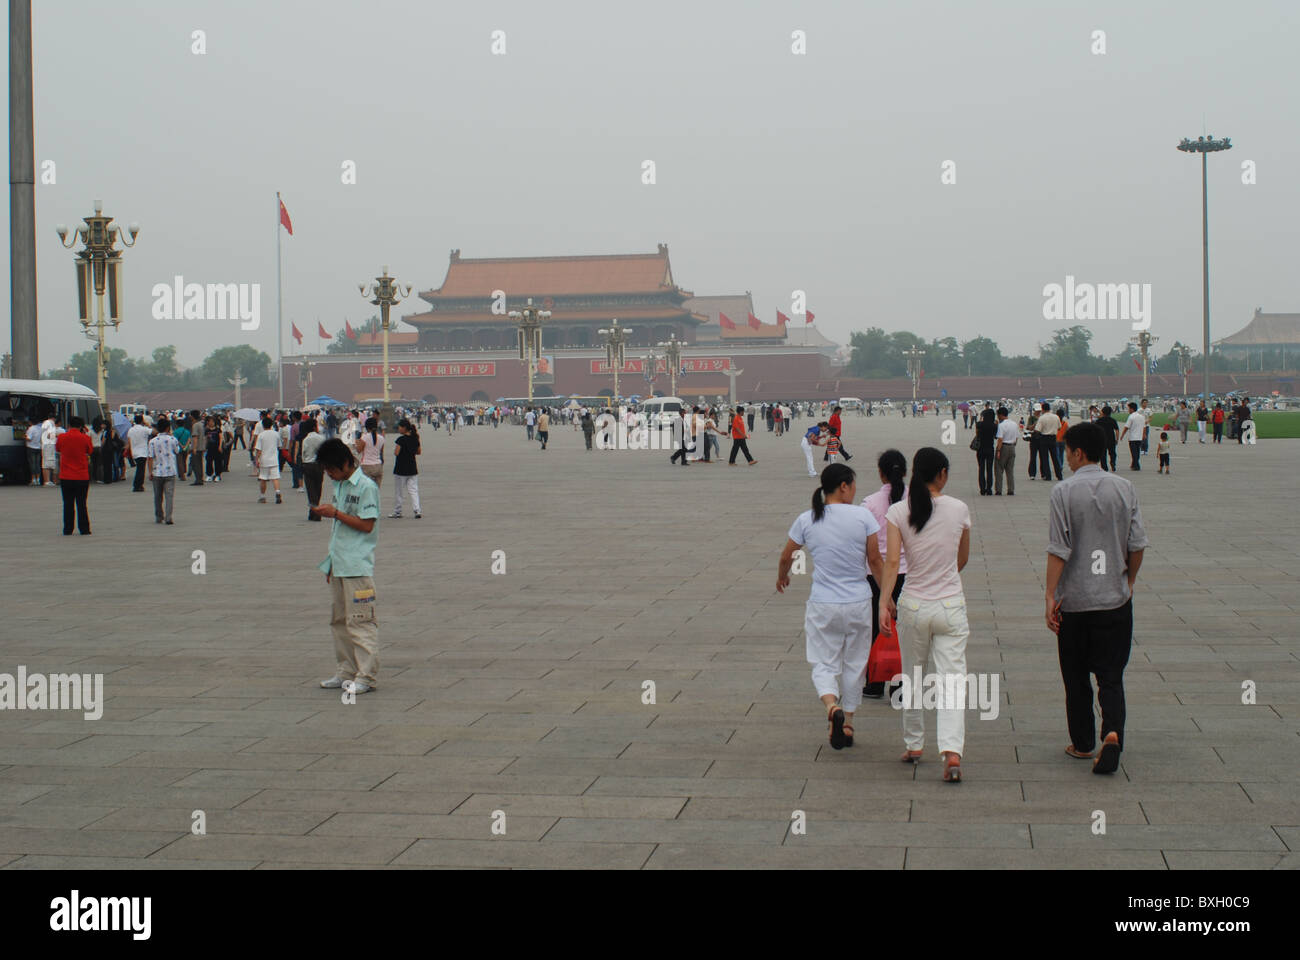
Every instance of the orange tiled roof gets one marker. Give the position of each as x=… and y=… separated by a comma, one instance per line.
x=626, y=317
x=555, y=276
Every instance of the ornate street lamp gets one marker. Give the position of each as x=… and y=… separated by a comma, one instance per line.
x=386, y=292
x=673, y=353
x=530, y=320
x=99, y=267
x=616, y=339
x=651, y=371
x=1205, y=146
x=1144, y=341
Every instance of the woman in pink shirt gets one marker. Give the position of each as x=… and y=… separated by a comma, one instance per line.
x=893, y=468
x=931, y=609
x=371, y=447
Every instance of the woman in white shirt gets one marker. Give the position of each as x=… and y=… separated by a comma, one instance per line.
x=841, y=537
x=893, y=468
x=931, y=610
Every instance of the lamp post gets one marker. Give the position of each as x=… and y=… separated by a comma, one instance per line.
x=530, y=320
x=99, y=266
x=914, y=356
x=1184, y=362
x=386, y=292
x=304, y=378
x=1144, y=341
x=673, y=355
x=70, y=372
x=1205, y=146
x=651, y=372
x=616, y=338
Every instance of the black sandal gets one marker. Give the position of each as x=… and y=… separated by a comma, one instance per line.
x=848, y=734
x=836, y=718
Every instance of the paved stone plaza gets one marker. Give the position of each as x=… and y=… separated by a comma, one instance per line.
x=522, y=692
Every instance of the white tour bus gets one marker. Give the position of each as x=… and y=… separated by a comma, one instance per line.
x=24, y=402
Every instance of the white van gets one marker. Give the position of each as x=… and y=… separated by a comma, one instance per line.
x=655, y=408
x=24, y=402
x=850, y=403
x=129, y=410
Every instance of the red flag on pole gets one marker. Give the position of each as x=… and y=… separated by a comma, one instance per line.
x=755, y=322
x=781, y=319
x=296, y=333
x=284, y=218
x=320, y=331
x=726, y=322
x=920, y=375
x=808, y=316
x=1137, y=363
x=351, y=334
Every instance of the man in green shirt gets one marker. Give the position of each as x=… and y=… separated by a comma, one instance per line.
x=349, y=569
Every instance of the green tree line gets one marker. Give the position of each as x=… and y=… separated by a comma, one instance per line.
x=877, y=354
x=160, y=372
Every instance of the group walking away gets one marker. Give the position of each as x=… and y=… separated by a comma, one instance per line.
x=896, y=562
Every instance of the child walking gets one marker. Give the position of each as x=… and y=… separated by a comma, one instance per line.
x=1162, y=451
x=405, y=472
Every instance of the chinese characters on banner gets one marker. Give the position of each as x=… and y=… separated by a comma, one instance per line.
x=691, y=365
x=479, y=369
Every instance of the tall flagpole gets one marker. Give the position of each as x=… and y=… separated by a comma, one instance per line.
x=279, y=307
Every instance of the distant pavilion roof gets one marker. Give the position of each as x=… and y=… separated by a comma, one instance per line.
x=1264, y=330
x=537, y=277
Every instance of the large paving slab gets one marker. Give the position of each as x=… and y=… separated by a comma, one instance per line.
x=511, y=731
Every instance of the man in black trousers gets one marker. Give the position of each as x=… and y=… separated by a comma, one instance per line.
x=1094, y=550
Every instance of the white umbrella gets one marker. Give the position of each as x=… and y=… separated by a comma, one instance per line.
x=247, y=413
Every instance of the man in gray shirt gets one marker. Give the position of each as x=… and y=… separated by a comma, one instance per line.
x=1095, y=547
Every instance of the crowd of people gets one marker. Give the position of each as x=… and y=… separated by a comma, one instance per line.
x=894, y=560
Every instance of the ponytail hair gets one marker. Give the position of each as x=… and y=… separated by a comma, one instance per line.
x=926, y=466
x=372, y=424
x=832, y=477
x=410, y=428
x=893, y=467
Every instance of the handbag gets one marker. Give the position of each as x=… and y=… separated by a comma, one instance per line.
x=975, y=443
x=885, y=662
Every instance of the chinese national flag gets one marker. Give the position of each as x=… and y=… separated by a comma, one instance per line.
x=1137, y=363
x=284, y=219
x=755, y=322
x=781, y=319
x=297, y=334
x=320, y=331
x=726, y=322
x=808, y=316
x=351, y=334
x=920, y=375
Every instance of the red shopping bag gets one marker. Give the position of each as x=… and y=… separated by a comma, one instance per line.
x=885, y=661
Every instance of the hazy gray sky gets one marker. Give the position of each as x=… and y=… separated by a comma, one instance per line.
x=775, y=171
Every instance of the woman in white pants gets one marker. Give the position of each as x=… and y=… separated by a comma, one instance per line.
x=841, y=537
x=405, y=473
x=813, y=437
x=931, y=609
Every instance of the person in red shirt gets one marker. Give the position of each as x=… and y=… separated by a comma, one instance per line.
x=836, y=427
x=75, y=449
x=738, y=436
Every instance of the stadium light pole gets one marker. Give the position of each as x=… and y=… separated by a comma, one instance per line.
x=1204, y=146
